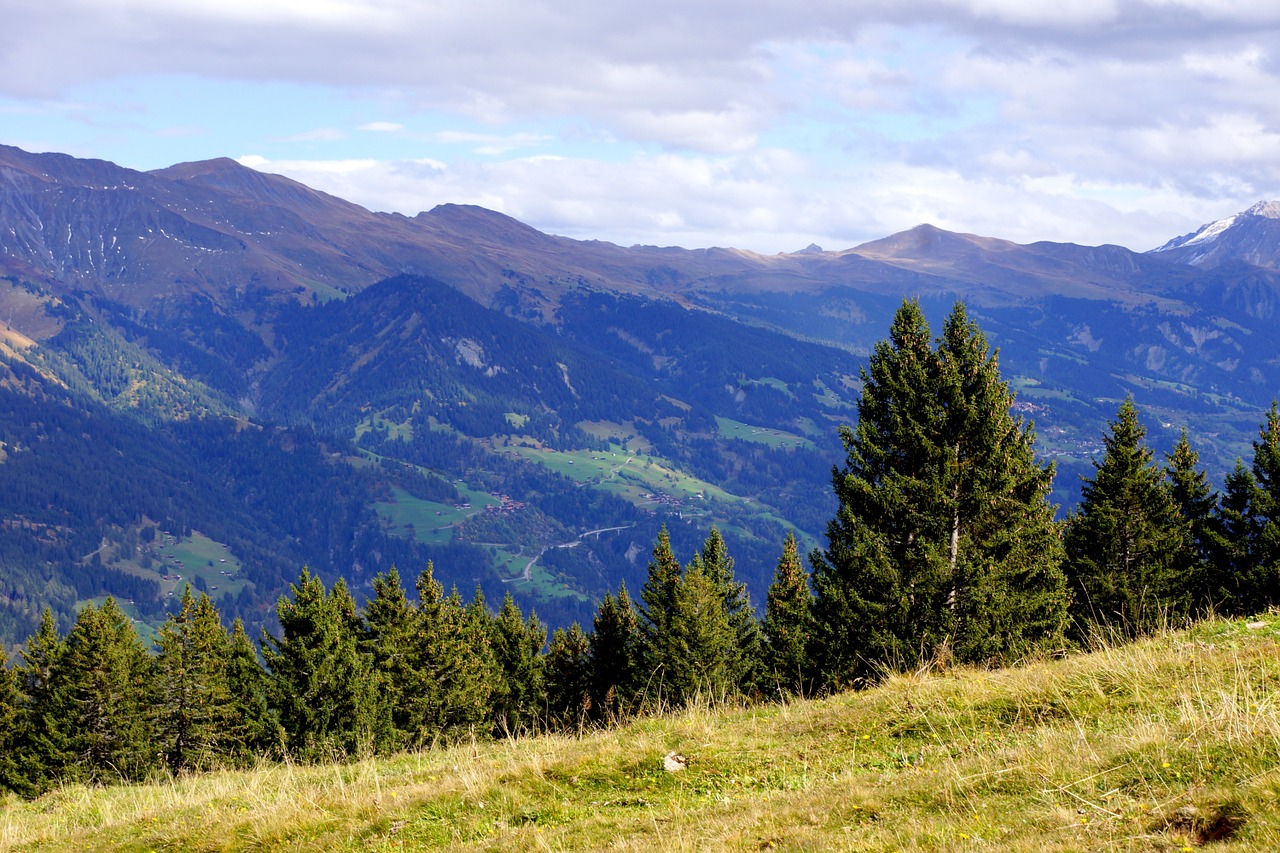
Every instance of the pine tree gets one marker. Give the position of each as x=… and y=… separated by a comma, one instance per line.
x=743, y=660
x=1236, y=558
x=194, y=708
x=695, y=651
x=1123, y=542
x=320, y=682
x=617, y=656
x=520, y=694
x=568, y=677
x=944, y=542
x=389, y=635
x=254, y=728
x=788, y=624
x=108, y=678
x=44, y=748
x=10, y=704
x=455, y=665
x=1197, y=503
x=1265, y=508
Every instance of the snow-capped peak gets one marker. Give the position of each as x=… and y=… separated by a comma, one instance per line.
x=1265, y=209
x=1209, y=233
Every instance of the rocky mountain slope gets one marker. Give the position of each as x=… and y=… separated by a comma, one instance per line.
x=460, y=387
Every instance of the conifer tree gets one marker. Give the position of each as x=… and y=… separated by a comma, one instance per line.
x=695, y=651
x=1197, y=503
x=743, y=660
x=254, y=727
x=194, y=708
x=1123, y=542
x=568, y=677
x=1236, y=558
x=109, y=685
x=320, y=682
x=658, y=592
x=788, y=624
x=44, y=749
x=1265, y=509
x=10, y=703
x=944, y=542
x=617, y=656
x=455, y=665
x=1007, y=592
x=520, y=694
x=389, y=636
x=878, y=595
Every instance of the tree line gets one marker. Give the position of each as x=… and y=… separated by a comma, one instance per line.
x=944, y=548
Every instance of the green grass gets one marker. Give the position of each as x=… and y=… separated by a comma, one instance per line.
x=427, y=521
x=774, y=438
x=1170, y=744
x=196, y=556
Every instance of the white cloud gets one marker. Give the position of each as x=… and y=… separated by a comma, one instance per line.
x=1092, y=120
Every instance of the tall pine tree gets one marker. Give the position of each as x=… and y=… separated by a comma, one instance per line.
x=1197, y=503
x=1123, y=541
x=321, y=682
x=944, y=542
x=788, y=626
x=194, y=708
x=617, y=656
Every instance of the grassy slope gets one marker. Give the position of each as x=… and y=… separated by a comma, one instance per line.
x=1163, y=745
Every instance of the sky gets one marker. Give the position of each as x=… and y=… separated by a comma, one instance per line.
x=758, y=125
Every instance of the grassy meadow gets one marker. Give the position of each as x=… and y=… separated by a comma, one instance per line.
x=1171, y=743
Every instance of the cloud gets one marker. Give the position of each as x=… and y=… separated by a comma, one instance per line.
x=768, y=200
x=1104, y=109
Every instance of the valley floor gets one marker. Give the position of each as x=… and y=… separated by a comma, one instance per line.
x=1171, y=744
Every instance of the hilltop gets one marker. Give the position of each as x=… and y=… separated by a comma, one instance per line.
x=1170, y=743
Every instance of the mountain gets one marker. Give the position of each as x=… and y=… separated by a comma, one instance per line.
x=1251, y=237
x=215, y=375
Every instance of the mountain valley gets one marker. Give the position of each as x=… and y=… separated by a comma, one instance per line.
x=214, y=375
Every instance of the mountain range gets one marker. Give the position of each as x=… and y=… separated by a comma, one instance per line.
x=215, y=375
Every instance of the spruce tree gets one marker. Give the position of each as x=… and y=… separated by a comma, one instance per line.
x=695, y=652
x=658, y=592
x=520, y=694
x=1239, y=588
x=388, y=636
x=743, y=660
x=617, y=656
x=194, y=708
x=944, y=542
x=568, y=677
x=108, y=678
x=788, y=624
x=254, y=728
x=1265, y=509
x=10, y=704
x=455, y=665
x=1123, y=541
x=320, y=681
x=44, y=749
x=1197, y=503
x=1007, y=593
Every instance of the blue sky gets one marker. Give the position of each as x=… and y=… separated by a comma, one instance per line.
x=759, y=125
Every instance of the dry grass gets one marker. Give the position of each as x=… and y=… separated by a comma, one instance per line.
x=1168, y=744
